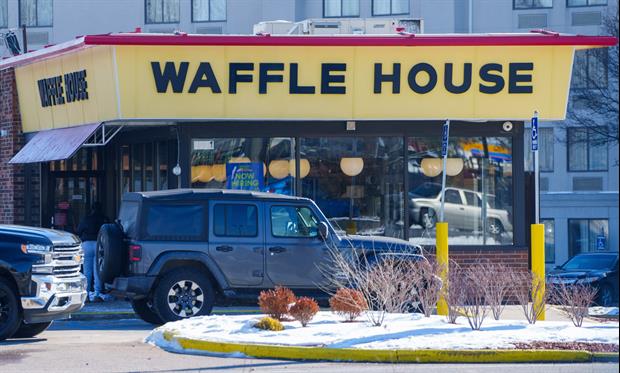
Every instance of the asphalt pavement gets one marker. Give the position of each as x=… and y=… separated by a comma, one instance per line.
x=116, y=346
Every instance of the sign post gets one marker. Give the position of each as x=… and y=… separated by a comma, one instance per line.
x=537, y=232
x=441, y=228
x=444, y=153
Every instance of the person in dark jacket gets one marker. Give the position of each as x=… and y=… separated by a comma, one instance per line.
x=88, y=231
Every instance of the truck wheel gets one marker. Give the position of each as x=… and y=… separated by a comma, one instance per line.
x=110, y=256
x=142, y=308
x=183, y=293
x=31, y=330
x=428, y=218
x=10, y=317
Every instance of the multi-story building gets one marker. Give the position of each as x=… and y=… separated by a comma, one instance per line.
x=579, y=168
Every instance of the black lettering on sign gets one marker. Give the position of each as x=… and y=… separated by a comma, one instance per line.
x=234, y=76
x=327, y=78
x=514, y=77
x=432, y=78
x=205, y=70
x=76, y=86
x=264, y=77
x=449, y=79
x=496, y=79
x=169, y=76
x=294, y=87
x=394, y=78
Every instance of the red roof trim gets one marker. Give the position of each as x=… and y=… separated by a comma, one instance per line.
x=398, y=40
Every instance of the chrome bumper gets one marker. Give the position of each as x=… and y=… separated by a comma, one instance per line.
x=56, y=295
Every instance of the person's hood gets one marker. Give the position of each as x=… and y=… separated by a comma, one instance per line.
x=380, y=244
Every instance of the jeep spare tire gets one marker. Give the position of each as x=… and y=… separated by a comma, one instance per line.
x=110, y=249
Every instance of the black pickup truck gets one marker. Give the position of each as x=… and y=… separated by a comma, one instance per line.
x=40, y=279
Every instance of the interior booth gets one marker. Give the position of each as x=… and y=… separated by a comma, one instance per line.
x=352, y=122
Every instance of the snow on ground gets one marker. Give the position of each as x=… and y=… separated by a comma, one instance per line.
x=603, y=311
x=399, y=331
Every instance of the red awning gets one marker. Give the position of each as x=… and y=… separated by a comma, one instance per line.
x=54, y=145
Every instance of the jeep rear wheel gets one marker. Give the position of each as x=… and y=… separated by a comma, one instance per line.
x=10, y=317
x=183, y=293
x=144, y=309
x=110, y=256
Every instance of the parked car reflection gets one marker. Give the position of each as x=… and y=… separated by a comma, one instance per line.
x=463, y=209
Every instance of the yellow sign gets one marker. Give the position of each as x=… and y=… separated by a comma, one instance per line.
x=295, y=83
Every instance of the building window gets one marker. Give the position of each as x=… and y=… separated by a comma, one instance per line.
x=208, y=10
x=587, y=235
x=4, y=13
x=479, y=195
x=590, y=69
x=341, y=8
x=532, y=4
x=144, y=167
x=579, y=3
x=587, y=149
x=546, y=141
x=36, y=13
x=390, y=7
x=162, y=11
x=549, y=239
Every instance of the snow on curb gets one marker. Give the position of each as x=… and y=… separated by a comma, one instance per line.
x=603, y=311
x=403, y=337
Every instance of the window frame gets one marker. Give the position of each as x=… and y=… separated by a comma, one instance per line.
x=528, y=149
x=341, y=15
x=6, y=7
x=146, y=19
x=514, y=6
x=291, y=237
x=589, y=54
x=587, y=142
x=230, y=203
x=585, y=6
x=193, y=20
x=552, y=220
x=19, y=15
x=391, y=13
x=571, y=252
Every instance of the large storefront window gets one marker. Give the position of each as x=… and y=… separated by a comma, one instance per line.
x=144, y=166
x=479, y=192
x=357, y=182
x=261, y=164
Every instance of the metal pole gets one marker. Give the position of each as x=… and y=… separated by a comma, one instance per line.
x=536, y=176
x=25, y=39
x=446, y=136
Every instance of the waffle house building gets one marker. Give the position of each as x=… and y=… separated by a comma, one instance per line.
x=353, y=122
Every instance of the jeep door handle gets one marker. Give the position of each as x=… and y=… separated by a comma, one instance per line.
x=277, y=249
x=224, y=248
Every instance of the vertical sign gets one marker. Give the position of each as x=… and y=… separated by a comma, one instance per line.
x=445, y=134
x=536, y=174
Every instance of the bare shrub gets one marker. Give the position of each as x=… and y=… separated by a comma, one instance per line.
x=304, y=310
x=276, y=303
x=349, y=303
x=527, y=285
x=453, y=292
x=500, y=280
x=574, y=300
x=427, y=284
x=385, y=278
x=475, y=307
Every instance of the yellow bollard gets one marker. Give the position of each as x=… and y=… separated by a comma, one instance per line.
x=441, y=242
x=538, y=261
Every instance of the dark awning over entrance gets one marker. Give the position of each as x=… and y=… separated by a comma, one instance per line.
x=55, y=144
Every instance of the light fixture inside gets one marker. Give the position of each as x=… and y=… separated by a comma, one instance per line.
x=351, y=166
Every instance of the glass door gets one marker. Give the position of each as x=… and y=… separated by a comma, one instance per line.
x=71, y=199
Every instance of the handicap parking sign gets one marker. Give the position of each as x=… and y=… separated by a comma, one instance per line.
x=600, y=242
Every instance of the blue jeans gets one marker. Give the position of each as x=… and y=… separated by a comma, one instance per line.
x=90, y=265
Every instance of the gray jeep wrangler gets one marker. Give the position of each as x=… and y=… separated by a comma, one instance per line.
x=177, y=253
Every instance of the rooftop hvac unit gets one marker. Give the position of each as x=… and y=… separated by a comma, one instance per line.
x=356, y=26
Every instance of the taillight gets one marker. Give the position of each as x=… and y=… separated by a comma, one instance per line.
x=135, y=253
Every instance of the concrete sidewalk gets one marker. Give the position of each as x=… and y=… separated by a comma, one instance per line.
x=121, y=309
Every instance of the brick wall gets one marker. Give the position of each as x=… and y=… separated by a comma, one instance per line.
x=517, y=259
x=15, y=180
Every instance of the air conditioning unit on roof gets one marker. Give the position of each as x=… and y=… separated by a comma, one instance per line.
x=342, y=26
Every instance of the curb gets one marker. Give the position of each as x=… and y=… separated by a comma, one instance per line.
x=390, y=356
x=87, y=316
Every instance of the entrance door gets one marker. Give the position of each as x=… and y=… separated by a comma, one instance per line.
x=72, y=196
